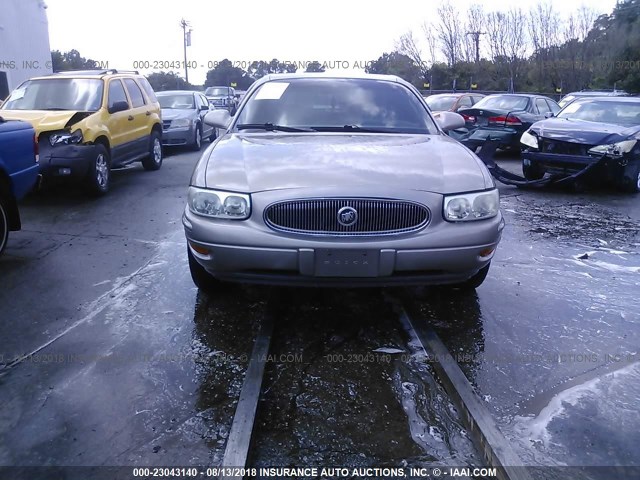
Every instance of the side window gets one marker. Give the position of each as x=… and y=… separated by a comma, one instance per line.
x=553, y=107
x=542, y=106
x=465, y=102
x=134, y=92
x=475, y=99
x=116, y=93
x=204, y=100
x=146, y=86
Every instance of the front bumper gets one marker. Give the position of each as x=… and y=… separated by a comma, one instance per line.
x=560, y=163
x=65, y=161
x=178, y=136
x=442, y=253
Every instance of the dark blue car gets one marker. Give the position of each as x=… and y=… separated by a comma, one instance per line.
x=588, y=130
x=18, y=172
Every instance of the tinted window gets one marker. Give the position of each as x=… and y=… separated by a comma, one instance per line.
x=134, y=93
x=216, y=91
x=465, y=102
x=146, y=86
x=74, y=94
x=116, y=93
x=553, y=106
x=334, y=103
x=503, y=102
x=439, y=103
x=542, y=106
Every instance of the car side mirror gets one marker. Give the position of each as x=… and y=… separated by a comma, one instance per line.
x=120, y=106
x=450, y=120
x=549, y=115
x=218, y=118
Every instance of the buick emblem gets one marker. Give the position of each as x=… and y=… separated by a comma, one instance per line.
x=347, y=216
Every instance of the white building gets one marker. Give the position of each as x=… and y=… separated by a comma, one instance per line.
x=24, y=42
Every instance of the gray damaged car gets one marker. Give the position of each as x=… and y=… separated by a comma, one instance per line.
x=183, y=113
x=339, y=180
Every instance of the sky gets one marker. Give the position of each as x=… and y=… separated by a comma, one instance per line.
x=346, y=32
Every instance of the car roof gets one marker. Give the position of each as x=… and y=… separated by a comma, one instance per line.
x=607, y=98
x=90, y=74
x=173, y=92
x=343, y=75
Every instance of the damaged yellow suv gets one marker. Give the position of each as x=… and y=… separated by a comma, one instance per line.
x=88, y=122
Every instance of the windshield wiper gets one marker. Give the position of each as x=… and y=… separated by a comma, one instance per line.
x=55, y=109
x=350, y=128
x=270, y=127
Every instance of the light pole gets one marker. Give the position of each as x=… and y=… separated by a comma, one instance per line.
x=186, y=37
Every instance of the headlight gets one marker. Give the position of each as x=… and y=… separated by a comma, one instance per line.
x=65, y=138
x=614, y=149
x=471, y=206
x=217, y=204
x=529, y=140
x=181, y=122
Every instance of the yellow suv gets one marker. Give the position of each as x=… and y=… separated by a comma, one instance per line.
x=88, y=122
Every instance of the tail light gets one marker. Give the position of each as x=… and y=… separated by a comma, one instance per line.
x=36, y=148
x=468, y=118
x=509, y=120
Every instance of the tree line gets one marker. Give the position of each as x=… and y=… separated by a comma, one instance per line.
x=514, y=50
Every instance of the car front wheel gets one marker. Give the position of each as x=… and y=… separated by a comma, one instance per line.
x=4, y=224
x=201, y=278
x=99, y=178
x=629, y=179
x=475, y=281
x=197, y=140
x=154, y=160
x=532, y=171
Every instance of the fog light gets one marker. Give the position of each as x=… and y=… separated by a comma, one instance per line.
x=199, y=249
x=487, y=251
x=64, y=171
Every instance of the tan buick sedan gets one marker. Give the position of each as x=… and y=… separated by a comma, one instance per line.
x=325, y=179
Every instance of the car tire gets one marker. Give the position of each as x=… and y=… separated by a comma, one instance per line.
x=214, y=135
x=99, y=176
x=197, y=141
x=629, y=178
x=532, y=172
x=201, y=278
x=475, y=281
x=153, y=161
x=4, y=224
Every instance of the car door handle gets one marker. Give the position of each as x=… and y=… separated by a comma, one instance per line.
x=148, y=114
x=130, y=117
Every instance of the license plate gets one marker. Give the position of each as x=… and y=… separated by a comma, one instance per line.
x=482, y=121
x=346, y=263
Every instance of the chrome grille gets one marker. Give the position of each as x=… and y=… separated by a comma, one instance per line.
x=320, y=216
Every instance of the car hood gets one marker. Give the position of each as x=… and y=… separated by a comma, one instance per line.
x=45, y=120
x=261, y=162
x=580, y=131
x=175, y=113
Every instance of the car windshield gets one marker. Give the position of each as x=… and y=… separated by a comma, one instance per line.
x=617, y=113
x=503, y=102
x=212, y=91
x=332, y=104
x=441, y=103
x=74, y=94
x=177, y=101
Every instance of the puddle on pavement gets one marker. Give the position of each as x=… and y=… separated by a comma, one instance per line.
x=347, y=387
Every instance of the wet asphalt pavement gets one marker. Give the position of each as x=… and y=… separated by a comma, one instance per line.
x=128, y=364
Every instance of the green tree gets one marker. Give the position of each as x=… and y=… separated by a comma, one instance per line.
x=396, y=63
x=225, y=74
x=314, y=66
x=161, y=81
x=71, y=60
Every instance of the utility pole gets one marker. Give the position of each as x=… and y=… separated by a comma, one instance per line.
x=476, y=40
x=186, y=37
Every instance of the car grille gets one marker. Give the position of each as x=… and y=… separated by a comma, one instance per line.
x=564, y=148
x=320, y=216
x=166, y=124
